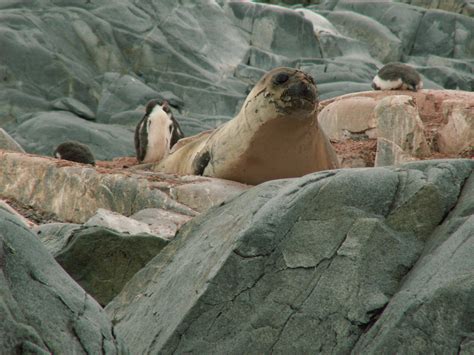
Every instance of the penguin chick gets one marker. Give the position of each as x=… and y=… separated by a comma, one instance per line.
x=397, y=76
x=74, y=151
x=156, y=132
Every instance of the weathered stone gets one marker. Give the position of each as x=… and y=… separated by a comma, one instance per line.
x=100, y=259
x=43, y=310
x=43, y=132
x=389, y=153
x=384, y=45
x=399, y=122
x=74, y=192
x=55, y=236
x=8, y=143
x=313, y=259
x=433, y=310
x=74, y=106
x=458, y=133
x=343, y=118
x=116, y=221
x=26, y=222
x=161, y=222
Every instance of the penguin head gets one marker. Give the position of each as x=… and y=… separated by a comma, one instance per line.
x=157, y=132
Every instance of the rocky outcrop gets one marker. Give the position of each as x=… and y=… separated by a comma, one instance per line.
x=100, y=259
x=320, y=259
x=97, y=63
x=407, y=125
x=43, y=310
x=8, y=143
x=74, y=192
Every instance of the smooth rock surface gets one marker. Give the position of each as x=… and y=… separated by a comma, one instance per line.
x=315, y=259
x=8, y=143
x=43, y=310
x=100, y=259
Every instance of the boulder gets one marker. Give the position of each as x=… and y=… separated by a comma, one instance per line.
x=43, y=310
x=399, y=122
x=433, y=310
x=389, y=153
x=458, y=133
x=383, y=44
x=74, y=192
x=161, y=222
x=345, y=119
x=8, y=143
x=44, y=131
x=113, y=220
x=100, y=259
x=315, y=259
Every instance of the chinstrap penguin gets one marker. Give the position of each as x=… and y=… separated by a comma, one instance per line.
x=74, y=151
x=156, y=133
x=397, y=76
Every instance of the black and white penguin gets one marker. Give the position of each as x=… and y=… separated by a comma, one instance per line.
x=74, y=151
x=156, y=132
x=397, y=76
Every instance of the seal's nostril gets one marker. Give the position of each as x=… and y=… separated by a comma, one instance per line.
x=280, y=78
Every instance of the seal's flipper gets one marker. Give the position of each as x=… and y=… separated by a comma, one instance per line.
x=200, y=162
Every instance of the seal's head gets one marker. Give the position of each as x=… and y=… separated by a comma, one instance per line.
x=290, y=93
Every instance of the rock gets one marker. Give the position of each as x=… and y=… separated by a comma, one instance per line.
x=161, y=222
x=398, y=121
x=43, y=310
x=458, y=133
x=435, y=300
x=117, y=222
x=389, y=153
x=354, y=116
x=465, y=7
x=383, y=44
x=314, y=259
x=42, y=133
x=8, y=143
x=75, y=192
x=74, y=106
x=55, y=236
x=101, y=259
x=25, y=222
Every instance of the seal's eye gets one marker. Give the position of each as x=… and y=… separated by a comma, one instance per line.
x=280, y=78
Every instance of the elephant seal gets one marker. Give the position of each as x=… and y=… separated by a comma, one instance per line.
x=275, y=135
x=156, y=133
x=74, y=151
x=397, y=76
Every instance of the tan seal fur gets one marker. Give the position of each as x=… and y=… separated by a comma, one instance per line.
x=275, y=135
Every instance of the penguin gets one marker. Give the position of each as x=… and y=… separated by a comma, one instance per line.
x=397, y=76
x=156, y=133
x=74, y=151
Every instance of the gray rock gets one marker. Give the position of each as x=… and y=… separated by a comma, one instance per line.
x=100, y=259
x=314, y=259
x=46, y=130
x=433, y=311
x=8, y=143
x=55, y=236
x=383, y=44
x=161, y=222
x=117, y=222
x=388, y=153
x=43, y=310
x=74, y=106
